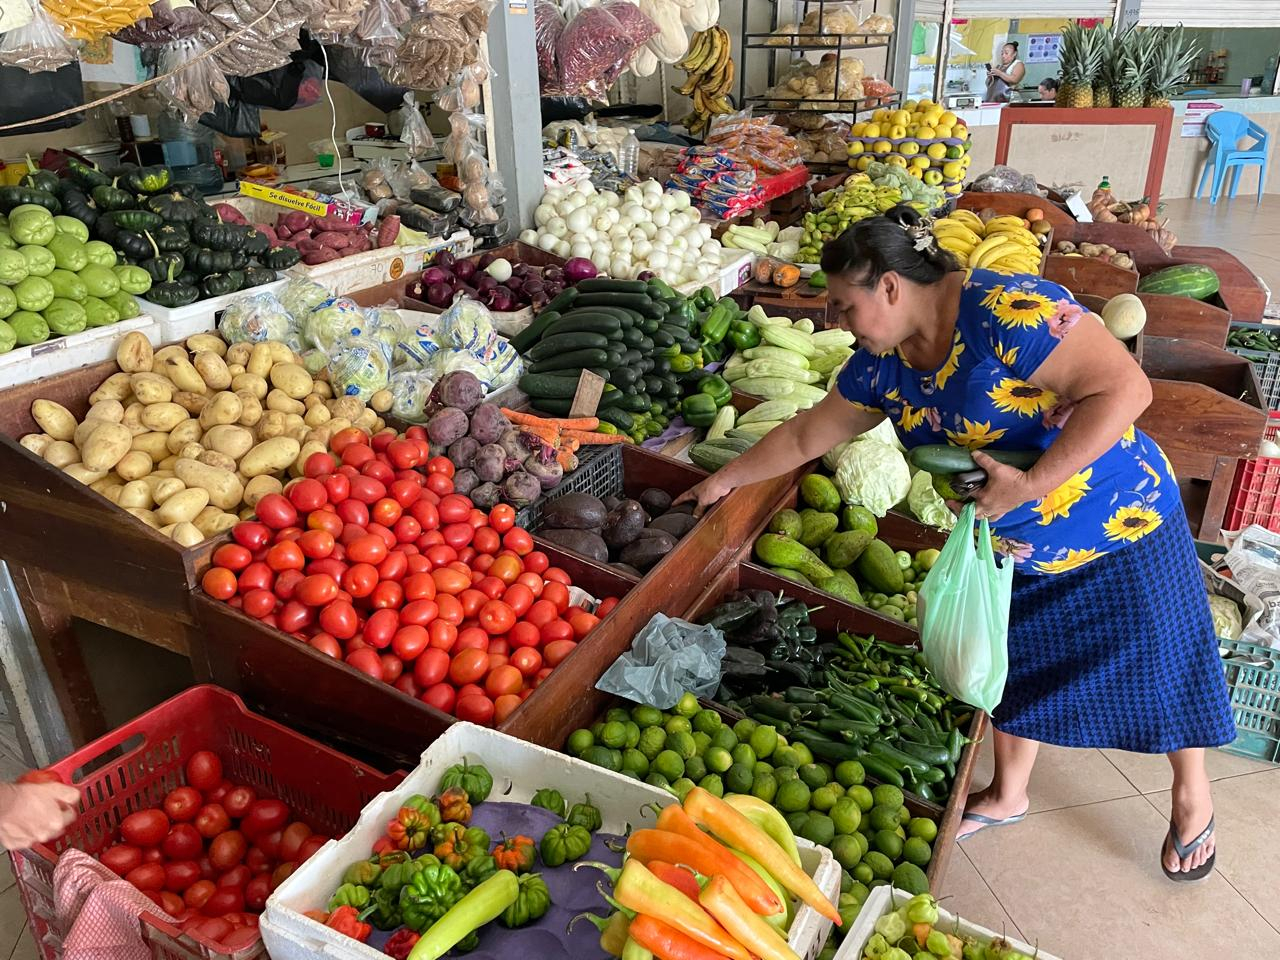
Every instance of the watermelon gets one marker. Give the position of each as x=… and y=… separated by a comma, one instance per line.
x=1193, y=280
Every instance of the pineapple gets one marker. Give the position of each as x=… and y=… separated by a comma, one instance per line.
x=1102, y=80
x=1172, y=56
x=1128, y=69
x=1068, y=59
x=1080, y=64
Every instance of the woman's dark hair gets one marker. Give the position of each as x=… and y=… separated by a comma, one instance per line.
x=1012, y=43
x=888, y=244
x=1050, y=83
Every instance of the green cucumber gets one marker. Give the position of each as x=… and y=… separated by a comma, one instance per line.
x=662, y=338
x=550, y=346
x=563, y=300
x=624, y=376
x=879, y=769
x=632, y=337
x=617, y=416
x=649, y=325
x=573, y=360
x=943, y=458
x=585, y=323
x=640, y=302
x=530, y=335
x=547, y=385
x=608, y=285
x=637, y=403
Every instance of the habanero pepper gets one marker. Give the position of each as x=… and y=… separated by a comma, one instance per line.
x=400, y=943
x=549, y=799
x=349, y=895
x=584, y=814
x=454, y=805
x=517, y=854
x=346, y=920
x=564, y=844
x=474, y=778
x=532, y=902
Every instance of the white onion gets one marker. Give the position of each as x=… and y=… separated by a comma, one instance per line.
x=547, y=241
x=562, y=248
x=622, y=246
x=529, y=236
x=678, y=222
x=620, y=267
x=661, y=217
x=633, y=213
x=557, y=227
x=641, y=249
x=600, y=251
x=704, y=271
x=704, y=231
x=662, y=237
x=683, y=200
x=633, y=194
x=652, y=201
x=585, y=187
x=657, y=261
x=554, y=195
x=679, y=243
x=579, y=220
x=649, y=228
x=542, y=213
x=617, y=232
x=580, y=248
x=652, y=187
x=572, y=202
x=603, y=222
x=612, y=199
x=668, y=202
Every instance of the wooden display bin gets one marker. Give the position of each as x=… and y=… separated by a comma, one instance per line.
x=1182, y=318
x=1015, y=205
x=1206, y=412
x=1089, y=275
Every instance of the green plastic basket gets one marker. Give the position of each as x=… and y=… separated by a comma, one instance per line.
x=1253, y=675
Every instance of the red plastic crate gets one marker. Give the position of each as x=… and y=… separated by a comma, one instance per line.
x=1255, y=495
x=134, y=766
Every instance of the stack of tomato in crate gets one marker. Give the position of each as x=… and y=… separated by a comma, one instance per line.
x=371, y=558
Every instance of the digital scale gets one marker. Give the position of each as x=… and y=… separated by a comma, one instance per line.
x=962, y=101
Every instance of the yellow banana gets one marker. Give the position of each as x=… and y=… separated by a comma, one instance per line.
x=1024, y=239
x=955, y=246
x=958, y=231
x=1003, y=248
x=969, y=219
x=985, y=247
x=1006, y=221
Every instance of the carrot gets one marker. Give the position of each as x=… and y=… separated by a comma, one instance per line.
x=693, y=848
x=549, y=435
x=571, y=423
x=567, y=459
x=732, y=828
x=639, y=890
x=668, y=943
x=588, y=437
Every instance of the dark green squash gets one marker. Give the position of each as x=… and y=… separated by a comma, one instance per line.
x=172, y=236
x=75, y=203
x=219, y=236
x=173, y=293
x=191, y=191
x=220, y=284
x=110, y=197
x=280, y=258
x=136, y=220
x=148, y=179
x=158, y=266
x=204, y=261
x=257, y=276
x=86, y=176
x=257, y=244
x=174, y=207
x=45, y=180
x=11, y=197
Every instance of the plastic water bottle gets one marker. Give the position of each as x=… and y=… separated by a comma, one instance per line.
x=629, y=154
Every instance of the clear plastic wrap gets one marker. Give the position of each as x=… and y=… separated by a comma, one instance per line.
x=39, y=46
x=467, y=325
x=410, y=391
x=255, y=319
x=334, y=18
x=377, y=35
x=300, y=296
x=415, y=135
x=265, y=45
x=334, y=319
x=194, y=88
x=877, y=23
x=831, y=21
x=440, y=42
x=165, y=25
x=359, y=366
x=463, y=94
x=596, y=46
x=548, y=25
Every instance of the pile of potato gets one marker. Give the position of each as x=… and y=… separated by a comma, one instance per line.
x=188, y=438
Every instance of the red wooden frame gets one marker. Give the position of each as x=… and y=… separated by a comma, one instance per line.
x=1159, y=117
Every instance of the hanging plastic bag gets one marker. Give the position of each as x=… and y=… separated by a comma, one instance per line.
x=37, y=46
x=192, y=82
x=415, y=135
x=964, y=616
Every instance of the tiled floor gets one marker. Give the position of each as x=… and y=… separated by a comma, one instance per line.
x=1249, y=230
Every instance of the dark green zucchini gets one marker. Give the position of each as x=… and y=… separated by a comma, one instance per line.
x=945, y=459
x=608, y=285
x=572, y=360
x=550, y=346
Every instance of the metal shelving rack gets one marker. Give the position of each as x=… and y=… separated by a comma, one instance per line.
x=838, y=44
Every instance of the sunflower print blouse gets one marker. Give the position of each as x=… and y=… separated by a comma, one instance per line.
x=981, y=397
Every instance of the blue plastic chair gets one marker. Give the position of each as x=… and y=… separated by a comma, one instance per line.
x=1225, y=129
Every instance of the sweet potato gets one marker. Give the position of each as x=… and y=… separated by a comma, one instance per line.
x=388, y=230
x=331, y=238
x=308, y=244
x=229, y=214
x=336, y=224
x=360, y=242
x=320, y=255
x=295, y=220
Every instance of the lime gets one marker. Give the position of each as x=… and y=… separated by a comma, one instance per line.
x=917, y=851
x=596, y=729
x=862, y=796
x=708, y=721
x=718, y=760
x=683, y=744
x=760, y=767
x=578, y=742
x=630, y=773
x=792, y=796
x=846, y=881
x=887, y=795
x=846, y=815
x=850, y=773
x=712, y=784
x=863, y=843
x=803, y=752
x=824, y=798
x=678, y=725
x=657, y=780
x=739, y=778
x=682, y=787
x=600, y=756
x=883, y=818
x=888, y=843
x=859, y=892
x=632, y=733
x=909, y=878
x=923, y=827
x=695, y=768
x=764, y=741
x=881, y=866
x=633, y=759
x=878, y=883
x=904, y=817
x=700, y=742
x=764, y=787
x=652, y=740
x=818, y=829
x=847, y=851
x=785, y=757
x=744, y=728
x=687, y=705
x=616, y=715
x=797, y=819
x=862, y=873
x=813, y=776
x=670, y=764
x=614, y=734
x=646, y=716
x=743, y=753
x=785, y=774
x=724, y=738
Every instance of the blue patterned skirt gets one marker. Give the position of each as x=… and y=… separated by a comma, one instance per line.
x=1119, y=653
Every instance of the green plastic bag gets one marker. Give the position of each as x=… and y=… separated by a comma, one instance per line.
x=964, y=616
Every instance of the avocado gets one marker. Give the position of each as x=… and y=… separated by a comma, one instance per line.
x=820, y=493
x=816, y=526
x=787, y=523
x=878, y=568
x=575, y=511
x=624, y=523
x=842, y=549
x=779, y=551
x=843, y=586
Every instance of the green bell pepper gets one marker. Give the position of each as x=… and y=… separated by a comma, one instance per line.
x=584, y=815
x=13, y=268
x=65, y=316
x=349, y=895
x=132, y=279
x=563, y=844
x=717, y=388
x=712, y=352
x=384, y=909
x=698, y=410
x=99, y=313
x=705, y=298
x=716, y=323
x=100, y=253
x=8, y=337
x=471, y=777
x=363, y=873
x=429, y=895
x=34, y=293
x=818, y=281
x=549, y=799
x=532, y=902
x=744, y=335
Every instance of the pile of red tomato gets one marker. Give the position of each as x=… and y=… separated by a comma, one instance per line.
x=212, y=854
x=370, y=557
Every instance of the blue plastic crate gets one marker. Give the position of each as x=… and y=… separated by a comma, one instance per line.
x=1253, y=676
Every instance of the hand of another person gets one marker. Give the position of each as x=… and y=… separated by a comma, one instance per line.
x=1006, y=488
x=705, y=494
x=35, y=812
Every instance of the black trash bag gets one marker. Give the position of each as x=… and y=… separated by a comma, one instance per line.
x=234, y=119
x=31, y=95
x=345, y=67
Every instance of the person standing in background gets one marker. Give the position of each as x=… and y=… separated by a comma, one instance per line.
x=1006, y=75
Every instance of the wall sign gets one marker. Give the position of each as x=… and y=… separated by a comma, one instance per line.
x=1044, y=48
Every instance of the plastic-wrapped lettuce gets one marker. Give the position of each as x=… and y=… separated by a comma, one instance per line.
x=410, y=390
x=1227, y=622
x=926, y=504
x=467, y=325
x=874, y=475
x=300, y=296
x=359, y=366
x=333, y=319
x=257, y=318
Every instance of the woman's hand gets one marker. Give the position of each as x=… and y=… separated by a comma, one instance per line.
x=35, y=812
x=1006, y=488
x=706, y=494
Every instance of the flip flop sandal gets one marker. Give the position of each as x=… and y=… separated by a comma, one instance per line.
x=986, y=822
x=1200, y=872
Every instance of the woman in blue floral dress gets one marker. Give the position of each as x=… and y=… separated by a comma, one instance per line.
x=1111, y=644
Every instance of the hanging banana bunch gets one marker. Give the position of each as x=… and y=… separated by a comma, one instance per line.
x=711, y=72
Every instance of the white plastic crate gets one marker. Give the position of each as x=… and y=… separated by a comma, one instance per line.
x=735, y=270
x=178, y=323
x=887, y=899
x=60, y=354
x=375, y=267
x=518, y=769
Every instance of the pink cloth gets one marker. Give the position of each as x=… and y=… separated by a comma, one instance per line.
x=102, y=908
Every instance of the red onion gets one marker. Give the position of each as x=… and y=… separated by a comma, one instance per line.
x=464, y=269
x=433, y=275
x=439, y=294
x=445, y=259
x=579, y=268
